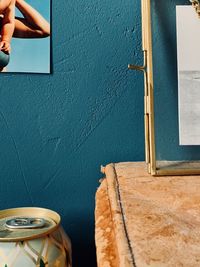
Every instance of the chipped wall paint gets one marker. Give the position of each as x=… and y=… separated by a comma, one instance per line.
x=56, y=130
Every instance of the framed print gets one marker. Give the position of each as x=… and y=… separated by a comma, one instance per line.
x=25, y=36
x=188, y=43
x=172, y=85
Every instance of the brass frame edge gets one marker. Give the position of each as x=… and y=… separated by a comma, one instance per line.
x=176, y=172
x=147, y=45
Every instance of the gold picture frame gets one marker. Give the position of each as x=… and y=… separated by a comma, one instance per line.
x=155, y=167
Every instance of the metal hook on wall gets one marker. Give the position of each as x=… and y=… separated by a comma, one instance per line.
x=146, y=103
x=140, y=68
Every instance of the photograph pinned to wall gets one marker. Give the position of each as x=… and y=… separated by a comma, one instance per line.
x=188, y=44
x=25, y=36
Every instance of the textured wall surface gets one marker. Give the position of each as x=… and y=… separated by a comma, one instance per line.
x=56, y=130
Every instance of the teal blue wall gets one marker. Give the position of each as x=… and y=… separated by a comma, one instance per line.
x=56, y=130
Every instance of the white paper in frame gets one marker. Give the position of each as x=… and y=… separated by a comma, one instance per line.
x=188, y=45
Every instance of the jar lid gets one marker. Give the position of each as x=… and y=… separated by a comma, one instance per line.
x=27, y=223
